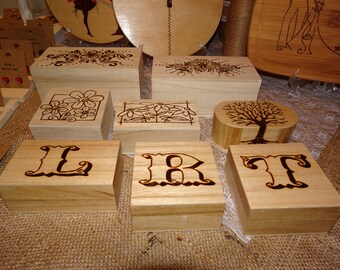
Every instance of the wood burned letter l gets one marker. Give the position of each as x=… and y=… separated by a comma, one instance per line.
x=54, y=160
x=176, y=169
x=277, y=167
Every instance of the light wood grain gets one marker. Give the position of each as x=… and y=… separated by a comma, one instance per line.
x=175, y=207
x=82, y=123
x=117, y=69
x=101, y=20
x=182, y=123
x=263, y=210
x=237, y=122
x=193, y=23
x=290, y=36
x=60, y=192
x=207, y=80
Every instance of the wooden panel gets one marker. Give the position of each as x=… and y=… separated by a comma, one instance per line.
x=73, y=114
x=151, y=120
x=93, y=21
x=290, y=36
x=207, y=80
x=280, y=189
x=68, y=175
x=252, y=122
x=180, y=29
x=25, y=45
x=99, y=67
x=175, y=186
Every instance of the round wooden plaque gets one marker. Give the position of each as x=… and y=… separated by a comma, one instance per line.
x=90, y=20
x=168, y=27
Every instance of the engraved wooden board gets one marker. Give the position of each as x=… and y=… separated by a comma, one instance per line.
x=192, y=24
x=175, y=186
x=298, y=35
x=154, y=120
x=65, y=175
x=252, y=122
x=280, y=189
x=92, y=21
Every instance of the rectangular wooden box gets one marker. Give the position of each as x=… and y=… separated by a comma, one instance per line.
x=280, y=189
x=208, y=80
x=252, y=122
x=151, y=120
x=175, y=186
x=51, y=175
x=74, y=115
x=117, y=69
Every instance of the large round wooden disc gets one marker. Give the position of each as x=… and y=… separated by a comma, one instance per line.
x=101, y=21
x=193, y=23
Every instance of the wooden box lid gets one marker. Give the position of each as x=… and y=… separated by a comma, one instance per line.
x=252, y=122
x=51, y=175
x=204, y=68
x=280, y=188
x=175, y=179
x=73, y=114
x=88, y=64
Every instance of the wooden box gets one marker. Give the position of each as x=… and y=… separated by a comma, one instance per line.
x=74, y=115
x=117, y=69
x=252, y=122
x=280, y=189
x=207, y=80
x=175, y=186
x=150, y=120
x=51, y=175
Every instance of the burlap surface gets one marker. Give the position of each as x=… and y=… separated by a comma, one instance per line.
x=105, y=240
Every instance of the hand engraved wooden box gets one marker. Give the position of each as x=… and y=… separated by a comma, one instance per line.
x=52, y=175
x=73, y=114
x=151, y=120
x=206, y=79
x=280, y=189
x=252, y=122
x=117, y=69
x=175, y=186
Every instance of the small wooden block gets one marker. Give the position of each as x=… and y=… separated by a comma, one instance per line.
x=150, y=120
x=74, y=115
x=252, y=122
x=280, y=189
x=175, y=186
x=117, y=69
x=7, y=111
x=47, y=175
x=206, y=79
x=15, y=44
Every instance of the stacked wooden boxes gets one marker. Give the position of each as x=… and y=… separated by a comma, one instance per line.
x=73, y=115
x=205, y=79
x=66, y=175
x=280, y=189
x=151, y=120
x=117, y=69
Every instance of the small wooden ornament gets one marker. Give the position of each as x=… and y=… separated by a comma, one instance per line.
x=252, y=122
x=63, y=176
x=280, y=189
x=73, y=114
x=175, y=186
x=205, y=79
x=152, y=121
